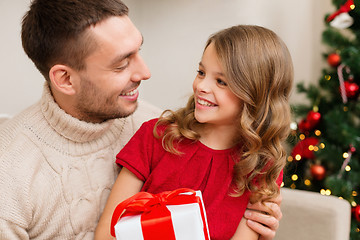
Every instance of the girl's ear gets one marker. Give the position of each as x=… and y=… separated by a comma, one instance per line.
x=62, y=78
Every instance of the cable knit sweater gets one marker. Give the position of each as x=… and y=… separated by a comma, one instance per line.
x=56, y=171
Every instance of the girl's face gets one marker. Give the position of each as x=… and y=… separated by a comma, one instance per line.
x=215, y=103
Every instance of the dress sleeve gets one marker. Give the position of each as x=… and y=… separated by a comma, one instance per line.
x=280, y=178
x=137, y=153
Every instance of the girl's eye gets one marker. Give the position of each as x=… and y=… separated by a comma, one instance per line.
x=200, y=73
x=221, y=82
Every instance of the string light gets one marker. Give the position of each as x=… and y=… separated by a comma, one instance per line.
x=290, y=158
x=327, y=77
x=293, y=126
x=294, y=177
x=302, y=136
x=293, y=186
x=354, y=193
x=311, y=147
x=345, y=109
x=307, y=182
x=322, y=145
x=353, y=203
x=317, y=132
x=297, y=157
x=326, y=192
x=282, y=184
x=345, y=166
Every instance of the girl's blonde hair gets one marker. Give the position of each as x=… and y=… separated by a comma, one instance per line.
x=259, y=71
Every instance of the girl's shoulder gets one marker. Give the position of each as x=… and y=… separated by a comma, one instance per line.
x=151, y=122
x=149, y=126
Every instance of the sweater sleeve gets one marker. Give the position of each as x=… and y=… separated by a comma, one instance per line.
x=12, y=231
x=16, y=209
x=137, y=153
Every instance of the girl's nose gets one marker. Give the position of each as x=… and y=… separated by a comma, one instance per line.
x=203, y=86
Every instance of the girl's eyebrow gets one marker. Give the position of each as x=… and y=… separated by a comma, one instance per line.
x=217, y=73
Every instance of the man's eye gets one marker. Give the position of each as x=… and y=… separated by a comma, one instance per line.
x=122, y=66
x=221, y=82
x=200, y=73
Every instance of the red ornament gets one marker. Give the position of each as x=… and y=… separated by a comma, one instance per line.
x=313, y=118
x=302, y=148
x=304, y=126
x=334, y=59
x=351, y=89
x=356, y=212
x=352, y=149
x=317, y=171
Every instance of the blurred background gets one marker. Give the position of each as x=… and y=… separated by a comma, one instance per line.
x=175, y=33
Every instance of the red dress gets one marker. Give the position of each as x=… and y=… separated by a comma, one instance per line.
x=198, y=168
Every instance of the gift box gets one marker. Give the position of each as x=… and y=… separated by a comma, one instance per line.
x=178, y=214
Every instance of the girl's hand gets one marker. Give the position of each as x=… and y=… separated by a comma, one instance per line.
x=264, y=219
x=126, y=185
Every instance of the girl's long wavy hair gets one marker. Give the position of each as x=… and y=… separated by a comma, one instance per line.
x=259, y=70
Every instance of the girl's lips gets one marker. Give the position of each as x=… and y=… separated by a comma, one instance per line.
x=204, y=102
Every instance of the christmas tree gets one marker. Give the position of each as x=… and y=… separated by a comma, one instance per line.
x=325, y=140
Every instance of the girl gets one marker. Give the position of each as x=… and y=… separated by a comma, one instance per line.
x=227, y=141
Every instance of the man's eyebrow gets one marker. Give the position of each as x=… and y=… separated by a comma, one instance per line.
x=126, y=55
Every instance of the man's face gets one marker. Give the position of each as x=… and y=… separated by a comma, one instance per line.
x=108, y=85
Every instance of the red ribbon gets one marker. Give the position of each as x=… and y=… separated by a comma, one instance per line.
x=347, y=7
x=156, y=220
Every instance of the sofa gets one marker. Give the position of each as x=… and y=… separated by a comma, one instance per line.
x=312, y=216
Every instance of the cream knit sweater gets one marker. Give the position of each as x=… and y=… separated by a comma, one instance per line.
x=56, y=172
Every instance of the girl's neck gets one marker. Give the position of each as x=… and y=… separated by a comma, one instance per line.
x=218, y=137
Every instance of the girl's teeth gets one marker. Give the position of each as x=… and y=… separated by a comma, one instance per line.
x=205, y=103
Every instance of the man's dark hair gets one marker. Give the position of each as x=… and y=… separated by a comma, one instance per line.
x=54, y=31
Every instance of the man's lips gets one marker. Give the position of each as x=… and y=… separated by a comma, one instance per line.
x=131, y=95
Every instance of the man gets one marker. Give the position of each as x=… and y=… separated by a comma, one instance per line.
x=57, y=157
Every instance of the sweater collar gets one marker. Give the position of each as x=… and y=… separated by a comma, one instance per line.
x=70, y=127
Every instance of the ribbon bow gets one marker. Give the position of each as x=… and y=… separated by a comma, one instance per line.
x=155, y=217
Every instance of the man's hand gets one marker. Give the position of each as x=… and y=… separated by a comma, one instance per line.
x=264, y=219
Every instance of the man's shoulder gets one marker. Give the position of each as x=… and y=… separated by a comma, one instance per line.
x=146, y=108
x=145, y=112
x=14, y=133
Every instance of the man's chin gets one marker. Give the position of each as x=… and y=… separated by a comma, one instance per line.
x=127, y=112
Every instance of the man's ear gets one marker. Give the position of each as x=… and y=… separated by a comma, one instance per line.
x=62, y=78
